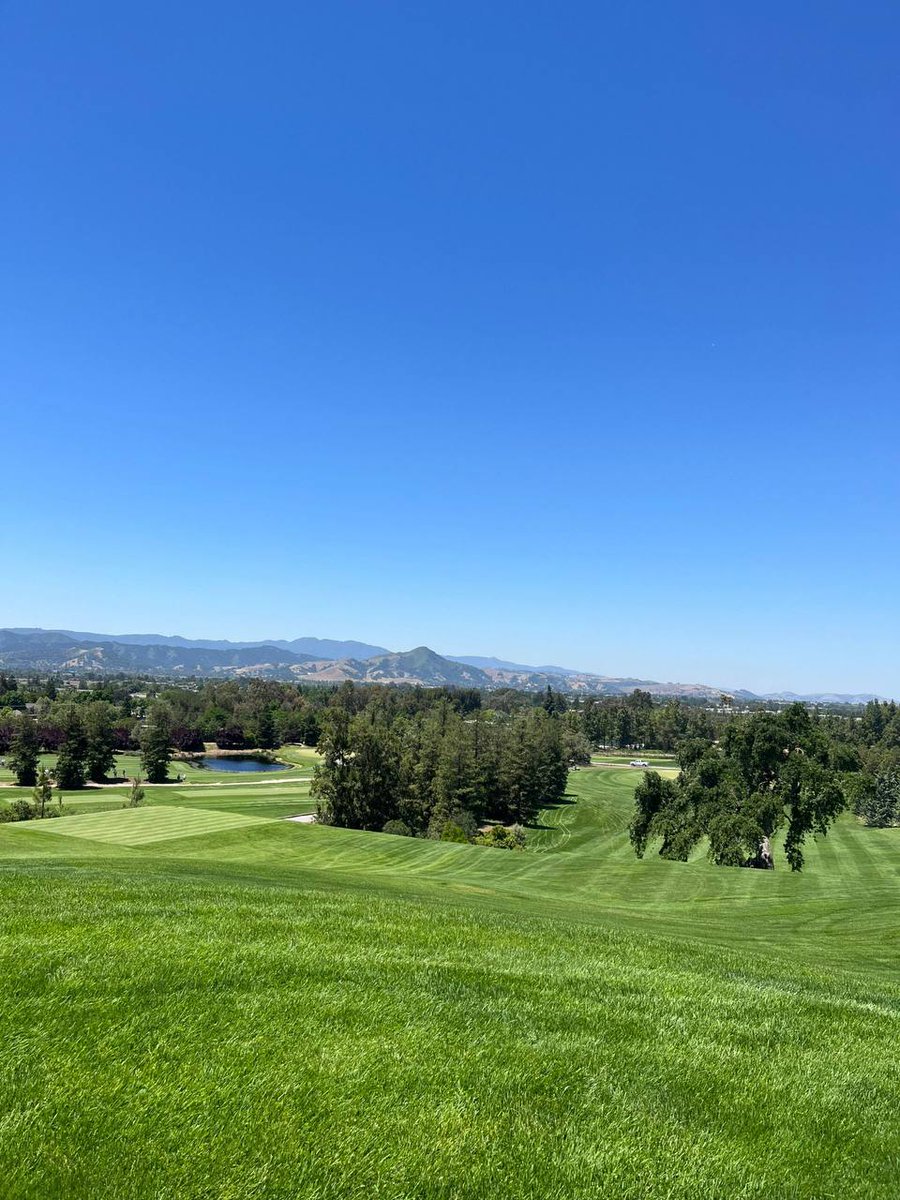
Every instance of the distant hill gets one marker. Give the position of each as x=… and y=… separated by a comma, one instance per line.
x=54, y=651
x=499, y=664
x=824, y=697
x=70, y=651
x=425, y=666
x=325, y=660
x=327, y=648
x=309, y=646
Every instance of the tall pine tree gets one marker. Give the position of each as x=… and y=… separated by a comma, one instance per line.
x=156, y=744
x=70, y=762
x=100, y=756
x=23, y=752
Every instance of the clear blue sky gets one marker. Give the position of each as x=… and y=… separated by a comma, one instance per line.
x=563, y=332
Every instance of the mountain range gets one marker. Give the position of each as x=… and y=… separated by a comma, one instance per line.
x=310, y=659
x=311, y=646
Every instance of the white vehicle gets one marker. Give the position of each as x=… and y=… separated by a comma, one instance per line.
x=639, y=762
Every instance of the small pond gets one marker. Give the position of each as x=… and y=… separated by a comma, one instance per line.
x=241, y=765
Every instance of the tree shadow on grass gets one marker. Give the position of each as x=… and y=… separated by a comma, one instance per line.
x=564, y=802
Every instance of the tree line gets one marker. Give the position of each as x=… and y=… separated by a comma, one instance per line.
x=86, y=746
x=439, y=773
x=87, y=726
x=265, y=714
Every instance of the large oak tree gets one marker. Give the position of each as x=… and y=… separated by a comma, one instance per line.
x=771, y=771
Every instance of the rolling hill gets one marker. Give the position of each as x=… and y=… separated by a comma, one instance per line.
x=205, y=1000
x=58, y=652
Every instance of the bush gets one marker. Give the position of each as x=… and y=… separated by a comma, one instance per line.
x=24, y=810
x=503, y=837
x=136, y=795
x=466, y=821
x=452, y=832
x=397, y=828
x=459, y=820
x=20, y=810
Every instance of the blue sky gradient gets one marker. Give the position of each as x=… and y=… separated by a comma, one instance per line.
x=563, y=333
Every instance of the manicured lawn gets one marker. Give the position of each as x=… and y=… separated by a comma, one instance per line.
x=202, y=1000
x=139, y=826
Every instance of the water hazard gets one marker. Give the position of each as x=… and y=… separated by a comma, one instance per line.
x=241, y=765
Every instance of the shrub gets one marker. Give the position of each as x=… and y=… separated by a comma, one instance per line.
x=136, y=794
x=503, y=837
x=452, y=832
x=397, y=828
x=466, y=821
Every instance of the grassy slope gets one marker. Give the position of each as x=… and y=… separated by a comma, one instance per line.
x=196, y=1009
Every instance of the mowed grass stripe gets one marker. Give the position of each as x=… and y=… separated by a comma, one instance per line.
x=199, y=825
x=141, y=826
x=867, y=863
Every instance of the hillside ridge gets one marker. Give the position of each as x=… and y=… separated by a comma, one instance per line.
x=326, y=660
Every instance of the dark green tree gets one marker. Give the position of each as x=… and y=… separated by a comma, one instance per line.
x=517, y=775
x=9, y=720
x=553, y=767
x=772, y=771
x=331, y=778
x=266, y=734
x=357, y=785
x=879, y=805
x=420, y=742
x=310, y=728
x=70, y=762
x=99, y=727
x=156, y=744
x=453, y=785
x=533, y=770
x=576, y=747
x=23, y=755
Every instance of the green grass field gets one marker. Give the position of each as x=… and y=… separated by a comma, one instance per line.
x=203, y=1000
